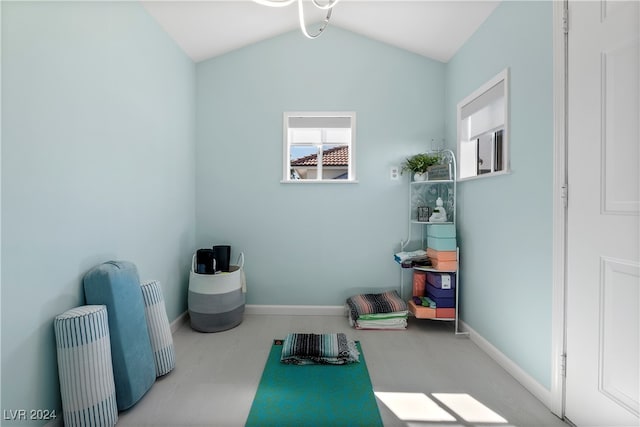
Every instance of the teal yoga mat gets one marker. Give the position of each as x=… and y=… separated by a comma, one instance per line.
x=314, y=395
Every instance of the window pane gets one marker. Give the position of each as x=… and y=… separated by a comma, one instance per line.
x=486, y=112
x=485, y=153
x=468, y=158
x=303, y=161
x=299, y=136
x=335, y=161
x=337, y=135
x=498, y=162
x=486, y=120
x=298, y=151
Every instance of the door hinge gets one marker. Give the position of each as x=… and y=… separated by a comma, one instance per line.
x=565, y=20
x=563, y=365
x=564, y=194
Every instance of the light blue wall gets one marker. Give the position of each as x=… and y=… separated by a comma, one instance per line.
x=85, y=83
x=98, y=153
x=505, y=223
x=311, y=244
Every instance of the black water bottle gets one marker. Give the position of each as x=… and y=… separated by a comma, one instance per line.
x=222, y=254
x=205, y=261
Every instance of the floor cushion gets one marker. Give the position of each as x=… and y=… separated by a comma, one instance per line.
x=84, y=367
x=116, y=285
x=159, y=328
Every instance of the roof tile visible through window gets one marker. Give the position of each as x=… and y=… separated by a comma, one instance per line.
x=337, y=156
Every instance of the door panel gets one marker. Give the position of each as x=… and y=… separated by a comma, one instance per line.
x=603, y=268
x=619, y=74
x=618, y=361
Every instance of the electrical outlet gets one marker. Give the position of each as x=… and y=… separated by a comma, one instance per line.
x=394, y=173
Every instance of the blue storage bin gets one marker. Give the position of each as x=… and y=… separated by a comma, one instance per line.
x=441, y=280
x=432, y=291
x=443, y=302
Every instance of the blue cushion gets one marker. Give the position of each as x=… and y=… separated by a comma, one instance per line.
x=116, y=285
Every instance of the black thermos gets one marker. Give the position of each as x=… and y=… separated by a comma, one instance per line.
x=204, y=261
x=222, y=254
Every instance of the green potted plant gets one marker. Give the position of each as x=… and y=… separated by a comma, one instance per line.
x=418, y=165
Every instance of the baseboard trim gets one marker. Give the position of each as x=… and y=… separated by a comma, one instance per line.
x=179, y=321
x=296, y=310
x=527, y=381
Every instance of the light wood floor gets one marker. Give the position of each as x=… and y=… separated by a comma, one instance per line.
x=217, y=374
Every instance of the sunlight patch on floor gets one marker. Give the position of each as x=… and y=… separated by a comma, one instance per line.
x=430, y=424
x=468, y=408
x=414, y=407
x=419, y=407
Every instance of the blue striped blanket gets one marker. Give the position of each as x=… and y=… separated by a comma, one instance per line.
x=325, y=349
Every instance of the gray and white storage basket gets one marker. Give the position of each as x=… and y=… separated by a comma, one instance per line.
x=216, y=301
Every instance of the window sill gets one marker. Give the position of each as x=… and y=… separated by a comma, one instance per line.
x=319, y=181
x=486, y=175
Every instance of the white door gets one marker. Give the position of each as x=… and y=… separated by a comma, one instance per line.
x=603, y=280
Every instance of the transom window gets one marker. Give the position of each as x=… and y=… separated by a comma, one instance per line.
x=482, y=130
x=319, y=147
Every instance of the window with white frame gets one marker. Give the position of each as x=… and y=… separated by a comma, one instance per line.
x=319, y=147
x=483, y=146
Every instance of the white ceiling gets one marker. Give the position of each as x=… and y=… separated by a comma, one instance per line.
x=435, y=29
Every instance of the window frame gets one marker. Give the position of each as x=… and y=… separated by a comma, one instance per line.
x=502, y=76
x=286, y=146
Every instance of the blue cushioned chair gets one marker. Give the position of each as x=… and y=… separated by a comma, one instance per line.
x=116, y=285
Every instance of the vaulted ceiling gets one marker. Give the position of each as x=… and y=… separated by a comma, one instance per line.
x=434, y=29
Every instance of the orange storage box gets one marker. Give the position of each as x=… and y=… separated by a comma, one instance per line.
x=421, y=312
x=442, y=255
x=445, y=313
x=419, y=282
x=444, y=265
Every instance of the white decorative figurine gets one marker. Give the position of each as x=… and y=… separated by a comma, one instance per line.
x=439, y=213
